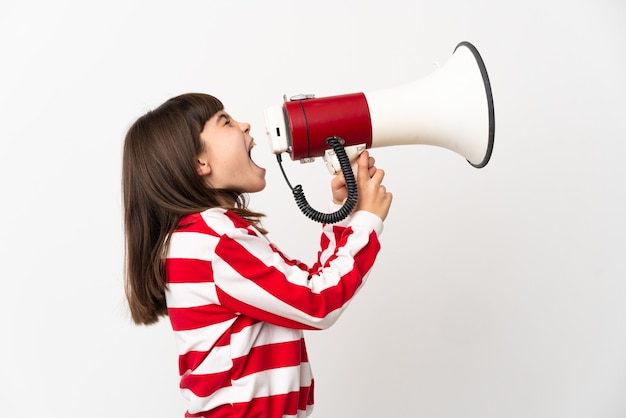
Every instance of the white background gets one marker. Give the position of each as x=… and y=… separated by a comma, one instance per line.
x=499, y=293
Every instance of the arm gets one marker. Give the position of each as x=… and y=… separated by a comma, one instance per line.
x=254, y=278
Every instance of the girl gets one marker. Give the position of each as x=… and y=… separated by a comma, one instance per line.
x=194, y=252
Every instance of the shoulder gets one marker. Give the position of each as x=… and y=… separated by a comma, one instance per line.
x=201, y=235
x=198, y=234
x=214, y=221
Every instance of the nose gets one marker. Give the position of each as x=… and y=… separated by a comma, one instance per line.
x=245, y=126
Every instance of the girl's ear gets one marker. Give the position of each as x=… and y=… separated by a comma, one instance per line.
x=202, y=167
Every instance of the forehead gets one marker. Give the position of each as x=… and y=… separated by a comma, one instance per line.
x=214, y=122
x=222, y=114
x=216, y=119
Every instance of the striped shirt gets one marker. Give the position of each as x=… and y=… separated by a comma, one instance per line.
x=238, y=307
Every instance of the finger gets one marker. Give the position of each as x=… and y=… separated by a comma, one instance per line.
x=363, y=165
x=378, y=176
x=338, y=182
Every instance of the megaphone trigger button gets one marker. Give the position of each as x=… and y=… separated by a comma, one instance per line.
x=301, y=97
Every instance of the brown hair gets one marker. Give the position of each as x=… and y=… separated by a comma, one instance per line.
x=160, y=184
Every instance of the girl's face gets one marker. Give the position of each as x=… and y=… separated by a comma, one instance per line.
x=225, y=161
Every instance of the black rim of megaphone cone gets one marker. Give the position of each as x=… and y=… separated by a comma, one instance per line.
x=487, y=84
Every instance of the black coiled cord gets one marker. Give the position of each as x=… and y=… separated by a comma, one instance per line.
x=342, y=213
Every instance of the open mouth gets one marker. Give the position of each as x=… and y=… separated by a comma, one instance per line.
x=252, y=145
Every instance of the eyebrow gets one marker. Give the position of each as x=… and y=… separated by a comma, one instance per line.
x=222, y=115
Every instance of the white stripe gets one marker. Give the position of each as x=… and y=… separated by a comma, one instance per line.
x=219, y=221
x=218, y=360
x=186, y=295
x=306, y=374
x=367, y=219
x=200, y=339
x=275, y=382
x=261, y=334
x=194, y=245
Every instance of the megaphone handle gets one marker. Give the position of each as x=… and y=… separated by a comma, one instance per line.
x=353, y=152
x=329, y=218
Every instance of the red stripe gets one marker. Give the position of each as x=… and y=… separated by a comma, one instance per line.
x=190, y=361
x=289, y=261
x=204, y=385
x=307, y=397
x=267, y=357
x=239, y=222
x=194, y=223
x=198, y=316
x=305, y=355
x=256, y=313
x=188, y=270
x=224, y=411
x=267, y=407
x=324, y=242
x=338, y=231
x=340, y=235
x=242, y=323
x=273, y=406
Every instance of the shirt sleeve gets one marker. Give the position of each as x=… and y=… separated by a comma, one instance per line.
x=254, y=278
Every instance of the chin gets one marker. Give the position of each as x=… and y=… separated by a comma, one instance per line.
x=254, y=188
x=261, y=187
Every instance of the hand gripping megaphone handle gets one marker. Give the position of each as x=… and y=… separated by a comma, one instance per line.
x=328, y=218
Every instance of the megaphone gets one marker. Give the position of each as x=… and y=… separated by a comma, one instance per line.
x=451, y=108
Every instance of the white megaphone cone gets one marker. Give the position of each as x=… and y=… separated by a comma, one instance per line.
x=451, y=108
